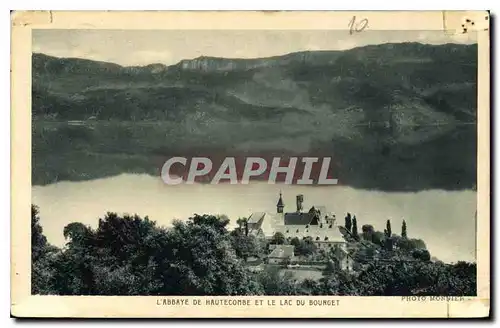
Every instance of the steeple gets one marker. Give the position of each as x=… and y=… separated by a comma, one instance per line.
x=280, y=204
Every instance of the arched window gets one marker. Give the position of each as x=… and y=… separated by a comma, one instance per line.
x=317, y=238
x=326, y=238
x=297, y=231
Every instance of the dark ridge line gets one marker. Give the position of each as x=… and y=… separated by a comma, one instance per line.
x=264, y=58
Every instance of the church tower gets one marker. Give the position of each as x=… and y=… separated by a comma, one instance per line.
x=280, y=206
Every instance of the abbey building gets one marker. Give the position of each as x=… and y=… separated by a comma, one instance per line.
x=317, y=224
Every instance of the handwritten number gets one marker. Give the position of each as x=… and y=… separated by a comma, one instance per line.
x=357, y=27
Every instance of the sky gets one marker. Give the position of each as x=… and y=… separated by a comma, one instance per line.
x=143, y=47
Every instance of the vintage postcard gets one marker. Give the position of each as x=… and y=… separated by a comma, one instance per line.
x=250, y=164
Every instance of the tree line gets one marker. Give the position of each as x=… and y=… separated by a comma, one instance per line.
x=130, y=255
x=388, y=241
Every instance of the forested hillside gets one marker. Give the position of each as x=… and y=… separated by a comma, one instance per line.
x=405, y=111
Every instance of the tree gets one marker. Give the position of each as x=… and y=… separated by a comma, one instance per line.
x=421, y=254
x=403, y=230
x=115, y=259
x=278, y=238
x=77, y=232
x=199, y=260
x=348, y=222
x=417, y=243
x=243, y=225
x=273, y=282
x=305, y=247
x=388, y=244
x=417, y=278
x=355, y=228
x=330, y=266
x=244, y=245
x=410, y=244
x=43, y=257
x=338, y=282
x=309, y=287
x=367, y=232
x=129, y=255
x=377, y=238
x=38, y=239
x=295, y=242
x=218, y=222
x=125, y=238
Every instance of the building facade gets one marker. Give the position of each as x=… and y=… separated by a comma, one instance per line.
x=317, y=224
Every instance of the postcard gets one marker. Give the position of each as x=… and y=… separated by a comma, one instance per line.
x=250, y=164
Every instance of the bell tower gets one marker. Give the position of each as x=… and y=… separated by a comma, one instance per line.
x=280, y=206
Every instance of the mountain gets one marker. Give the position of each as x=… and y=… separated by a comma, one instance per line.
x=404, y=108
x=372, y=79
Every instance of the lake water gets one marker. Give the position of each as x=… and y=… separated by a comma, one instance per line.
x=443, y=219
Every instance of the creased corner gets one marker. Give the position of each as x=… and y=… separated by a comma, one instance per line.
x=486, y=307
x=27, y=18
x=464, y=22
x=469, y=308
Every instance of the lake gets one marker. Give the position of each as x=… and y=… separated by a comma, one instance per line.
x=443, y=219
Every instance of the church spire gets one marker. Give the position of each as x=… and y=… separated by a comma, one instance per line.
x=280, y=204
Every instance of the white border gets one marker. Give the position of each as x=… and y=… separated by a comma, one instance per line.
x=167, y=5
